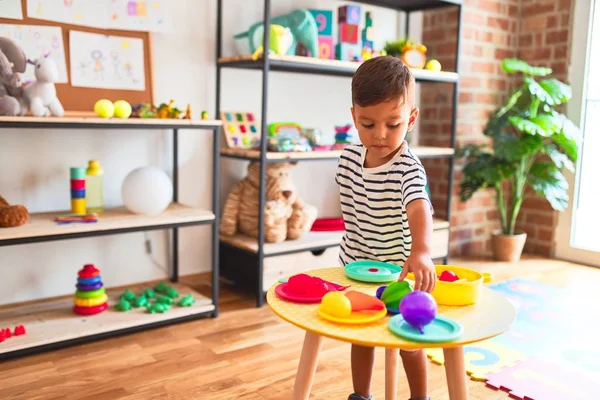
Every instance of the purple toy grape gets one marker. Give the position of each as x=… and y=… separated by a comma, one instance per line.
x=380, y=290
x=418, y=308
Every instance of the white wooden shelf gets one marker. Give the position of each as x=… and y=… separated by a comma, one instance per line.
x=420, y=151
x=52, y=321
x=92, y=122
x=41, y=226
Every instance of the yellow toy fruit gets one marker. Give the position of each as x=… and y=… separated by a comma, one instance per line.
x=433, y=65
x=336, y=304
x=104, y=108
x=122, y=109
x=422, y=48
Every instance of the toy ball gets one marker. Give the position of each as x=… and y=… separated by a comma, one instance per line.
x=147, y=190
x=104, y=108
x=394, y=293
x=448, y=276
x=433, y=65
x=336, y=304
x=122, y=109
x=418, y=308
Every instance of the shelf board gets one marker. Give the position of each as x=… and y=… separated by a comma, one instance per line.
x=411, y=5
x=81, y=122
x=51, y=323
x=244, y=154
x=313, y=65
x=309, y=241
x=42, y=228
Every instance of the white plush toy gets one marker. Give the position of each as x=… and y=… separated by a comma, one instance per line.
x=41, y=94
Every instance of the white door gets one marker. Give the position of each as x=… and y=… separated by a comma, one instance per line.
x=578, y=231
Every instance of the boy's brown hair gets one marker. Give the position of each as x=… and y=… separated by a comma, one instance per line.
x=382, y=79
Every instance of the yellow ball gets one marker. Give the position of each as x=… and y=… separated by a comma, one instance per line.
x=433, y=65
x=122, y=109
x=336, y=304
x=104, y=108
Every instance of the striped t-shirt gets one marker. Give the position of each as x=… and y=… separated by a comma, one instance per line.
x=373, y=202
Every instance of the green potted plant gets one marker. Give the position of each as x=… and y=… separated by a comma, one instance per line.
x=531, y=142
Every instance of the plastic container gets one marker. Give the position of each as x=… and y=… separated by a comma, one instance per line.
x=461, y=292
x=94, y=187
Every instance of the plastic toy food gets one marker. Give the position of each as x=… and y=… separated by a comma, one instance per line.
x=448, y=276
x=418, y=308
x=363, y=302
x=104, y=108
x=122, y=109
x=303, y=284
x=336, y=304
x=394, y=293
x=433, y=65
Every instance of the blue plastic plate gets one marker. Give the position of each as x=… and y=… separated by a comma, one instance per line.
x=372, y=271
x=440, y=330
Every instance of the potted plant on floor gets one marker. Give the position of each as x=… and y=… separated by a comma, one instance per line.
x=531, y=142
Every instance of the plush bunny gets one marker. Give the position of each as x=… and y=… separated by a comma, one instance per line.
x=41, y=94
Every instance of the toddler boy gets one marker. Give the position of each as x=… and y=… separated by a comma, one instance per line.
x=386, y=210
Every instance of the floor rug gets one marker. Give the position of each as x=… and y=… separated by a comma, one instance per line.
x=550, y=352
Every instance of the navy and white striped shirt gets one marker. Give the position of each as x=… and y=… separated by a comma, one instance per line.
x=373, y=202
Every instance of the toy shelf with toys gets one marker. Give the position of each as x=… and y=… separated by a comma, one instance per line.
x=52, y=323
x=254, y=253
x=318, y=66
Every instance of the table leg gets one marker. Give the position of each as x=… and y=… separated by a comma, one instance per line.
x=307, y=365
x=456, y=374
x=392, y=359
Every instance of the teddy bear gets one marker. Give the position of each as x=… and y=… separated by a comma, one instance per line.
x=12, y=63
x=11, y=216
x=287, y=217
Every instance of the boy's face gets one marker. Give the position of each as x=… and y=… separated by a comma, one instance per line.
x=383, y=127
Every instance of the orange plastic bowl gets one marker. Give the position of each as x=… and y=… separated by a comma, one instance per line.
x=459, y=293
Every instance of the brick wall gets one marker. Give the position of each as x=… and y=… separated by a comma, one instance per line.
x=543, y=40
x=490, y=32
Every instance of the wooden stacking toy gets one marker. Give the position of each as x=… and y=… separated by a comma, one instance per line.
x=90, y=297
x=78, y=205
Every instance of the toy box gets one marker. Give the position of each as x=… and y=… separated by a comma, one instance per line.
x=324, y=19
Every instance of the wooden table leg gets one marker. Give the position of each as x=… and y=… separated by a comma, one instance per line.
x=307, y=365
x=456, y=375
x=392, y=359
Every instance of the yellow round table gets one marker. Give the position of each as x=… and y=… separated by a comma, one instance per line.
x=490, y=316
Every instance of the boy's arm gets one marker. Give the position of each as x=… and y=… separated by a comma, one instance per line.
x=419, y=262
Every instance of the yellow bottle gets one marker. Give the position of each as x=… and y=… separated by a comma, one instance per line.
x=94, y=187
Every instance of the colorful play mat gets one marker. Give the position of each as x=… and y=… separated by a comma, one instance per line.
x=550, y=352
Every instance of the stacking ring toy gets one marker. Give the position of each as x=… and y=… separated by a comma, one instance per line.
x=86, y=288
x=91, y=302
x=89, y=295
x=89, y=281
x=90, y=310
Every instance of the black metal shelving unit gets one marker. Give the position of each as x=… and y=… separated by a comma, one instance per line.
x=243, y=265
x=173, y=219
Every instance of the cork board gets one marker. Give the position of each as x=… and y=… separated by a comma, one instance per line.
x=76, y=100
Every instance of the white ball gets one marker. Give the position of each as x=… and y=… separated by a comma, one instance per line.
x=147, y=190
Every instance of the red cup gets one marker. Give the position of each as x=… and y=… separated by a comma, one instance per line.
x=77, y=184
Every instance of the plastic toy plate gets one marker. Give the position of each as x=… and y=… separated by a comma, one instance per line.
x=372, y=271
x=355, y=317
x=441, y=329
x=282, y=290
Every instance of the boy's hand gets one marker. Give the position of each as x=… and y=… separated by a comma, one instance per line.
x=421, y=266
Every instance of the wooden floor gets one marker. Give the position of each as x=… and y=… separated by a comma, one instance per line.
x=246, y=353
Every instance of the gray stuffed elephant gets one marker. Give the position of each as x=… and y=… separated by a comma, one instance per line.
x=12, y=63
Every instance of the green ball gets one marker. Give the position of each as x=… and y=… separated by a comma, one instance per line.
x=104, y=108
x=122, y=109
x=394, y=293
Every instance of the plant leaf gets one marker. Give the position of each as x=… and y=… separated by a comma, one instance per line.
x=512, y=65
x=560, y=159
x=568, y=137
x=538, y=91
x=550, y=183
x=513, y=148
x=549, y=123
x=527, y=126
x=559, y=91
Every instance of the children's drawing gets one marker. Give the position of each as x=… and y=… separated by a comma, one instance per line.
x=11, y=9
x=140, y=15
x=104, y=61
x=36, y=42
x=78, y=12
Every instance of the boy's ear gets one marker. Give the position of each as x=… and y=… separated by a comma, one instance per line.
x=414, y=114
x=353, y=115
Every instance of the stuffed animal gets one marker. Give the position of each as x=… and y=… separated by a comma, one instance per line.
x=11, y=216
x=286, y=216
x=12, y=63
x=41, y=94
